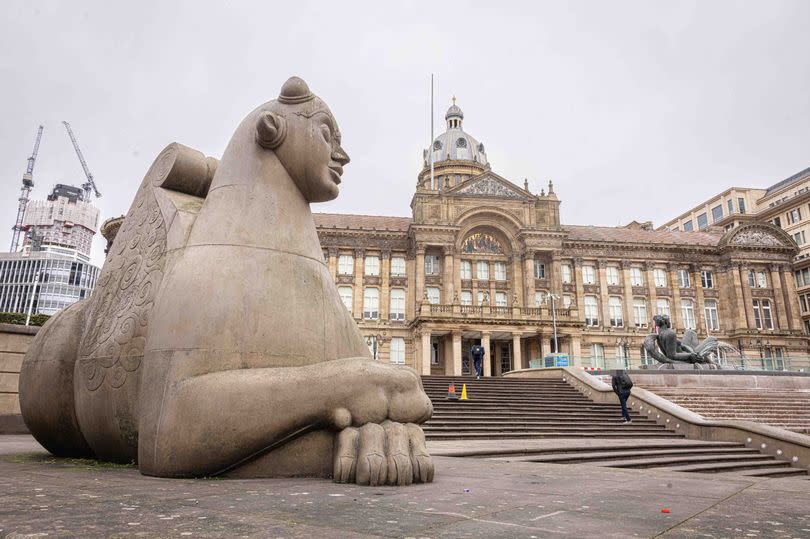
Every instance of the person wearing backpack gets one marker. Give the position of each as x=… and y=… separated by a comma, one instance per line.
x=622, y=384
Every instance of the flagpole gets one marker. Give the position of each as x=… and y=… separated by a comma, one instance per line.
x=430, y=146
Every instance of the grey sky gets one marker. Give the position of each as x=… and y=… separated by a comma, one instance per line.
x=636, y=110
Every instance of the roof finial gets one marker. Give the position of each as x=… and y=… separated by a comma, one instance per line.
x=454, y=99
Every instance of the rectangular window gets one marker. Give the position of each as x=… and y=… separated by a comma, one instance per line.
x=345, y=293
x=717, y=213
x=567, y=300
x=397, y=266
x=794, y=216
x=397, y=350
x=371, y=304
x=597, y=351
x=662, y=307
x=615, y=312
x=588, y=275
x=762, y=314
x=372, y=265
x=710, y=310
x=612, y=275
x=591, y=311
x=688, y=313
x=730, y=204
x=500, y=271
x=432, y=265
x=660, y=277
x=798, y=237
x=687, y=226
x=777, y=221
x=741, y=204
x=481, y=298
x=640, y=312
x=683, y=278
x=702, y=221
x=706, y=279
x=482, y=271
x=397, y=305
x=565, y=271
x=636, y=277
x=466, y=269
x=762, y=280
x=433, y=295
x=346, y=265
x=500, y=299
x=538, y=298
x=466, y=297
x=539, y=270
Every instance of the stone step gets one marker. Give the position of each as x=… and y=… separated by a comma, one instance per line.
x=775, y=472
x=560, y=416
x=625, y=453
x=727, y=466
x=549, y=434
x=674, y=460
x=524, y=425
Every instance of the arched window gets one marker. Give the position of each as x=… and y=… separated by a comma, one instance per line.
x=461, y=143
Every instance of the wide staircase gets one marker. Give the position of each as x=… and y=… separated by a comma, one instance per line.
x=539, y=420
x=787, y=409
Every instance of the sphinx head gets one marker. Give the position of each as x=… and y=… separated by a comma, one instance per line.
x=301, y=130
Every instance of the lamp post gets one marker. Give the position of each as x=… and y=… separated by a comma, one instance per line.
x=623, y=343
x=374, y=342
x=761, y=345
x=553, y=298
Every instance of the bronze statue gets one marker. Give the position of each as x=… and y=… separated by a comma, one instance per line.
x=665, y=347
x=216, y=341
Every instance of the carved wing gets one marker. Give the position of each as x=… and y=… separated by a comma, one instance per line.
x=651, y=346
x=690, y=339
x=705, y=348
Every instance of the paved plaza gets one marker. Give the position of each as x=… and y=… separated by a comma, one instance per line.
x=45, y=497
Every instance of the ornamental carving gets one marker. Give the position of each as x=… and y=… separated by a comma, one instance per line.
x=756, y=237
x=489, y=187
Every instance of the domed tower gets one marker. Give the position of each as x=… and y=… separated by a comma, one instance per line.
x=457, y=156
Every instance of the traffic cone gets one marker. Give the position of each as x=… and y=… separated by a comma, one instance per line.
x=451, y=392
x=463, y=392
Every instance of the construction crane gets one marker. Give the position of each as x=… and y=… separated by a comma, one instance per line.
x=27, y=185
x=89, y=186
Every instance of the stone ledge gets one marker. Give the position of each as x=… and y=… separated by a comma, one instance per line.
x=12, y=424
x=17, y=328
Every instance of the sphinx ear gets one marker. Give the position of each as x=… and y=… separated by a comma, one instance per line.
x=271, y=129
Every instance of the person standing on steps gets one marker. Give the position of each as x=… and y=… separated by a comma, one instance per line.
x=622, y=384
x=477, y=352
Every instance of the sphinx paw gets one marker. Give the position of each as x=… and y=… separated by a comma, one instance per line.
x=387, y=454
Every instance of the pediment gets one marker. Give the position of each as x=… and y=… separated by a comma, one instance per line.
x=759, y=235
x=489, y=185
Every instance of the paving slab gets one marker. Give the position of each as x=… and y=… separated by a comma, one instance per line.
x=41, y=495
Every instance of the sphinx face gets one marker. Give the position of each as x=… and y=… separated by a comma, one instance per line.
x=312, y=154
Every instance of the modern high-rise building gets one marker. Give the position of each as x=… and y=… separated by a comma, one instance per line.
x=64, y=219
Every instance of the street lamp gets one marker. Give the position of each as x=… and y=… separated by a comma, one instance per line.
x=553, y=298
x=374, y=342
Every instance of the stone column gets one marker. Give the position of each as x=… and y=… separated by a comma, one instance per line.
x=491, y=283
x=627, y=299
x=497, y=357
x=517, y=358
x=528, y=278
x=603, y=293
x=425, y=351
x=739, y=286
x=700, y=312
x=576, y=274
x=385, y=286
x=419, y=272
x=516, y=283
x=652, y=293
x=791, y=298
x=782, y=320
x=331, y=262
x=357, y=303
x=456, y=360
x=487, y=367
x=675, y=306
x=575, y=350
x=457, y=275
x=555, y=276
x=748, y=300
x=446, y=347
x=448, y=269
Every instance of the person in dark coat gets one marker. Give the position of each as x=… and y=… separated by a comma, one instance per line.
x=477, y=353
x=622, y=384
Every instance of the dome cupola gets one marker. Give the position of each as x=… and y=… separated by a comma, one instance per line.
x=454, y=116
x=455, y=144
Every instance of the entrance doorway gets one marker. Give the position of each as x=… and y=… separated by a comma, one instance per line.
x=466, y=357
x=506, y=356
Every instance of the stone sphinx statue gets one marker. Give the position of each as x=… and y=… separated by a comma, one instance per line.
x=665, y=347
x=215, y=341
